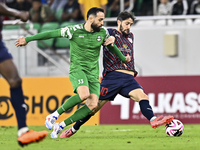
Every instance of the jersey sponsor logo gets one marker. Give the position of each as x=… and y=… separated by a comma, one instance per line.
x=98, y=38
x=81, y=36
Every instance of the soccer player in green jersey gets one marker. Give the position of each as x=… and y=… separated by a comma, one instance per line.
x=85, y=44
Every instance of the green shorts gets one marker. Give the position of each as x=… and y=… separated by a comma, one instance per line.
x=79, y=78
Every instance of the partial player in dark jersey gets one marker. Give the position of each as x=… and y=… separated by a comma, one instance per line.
x=10, y=73
x=119, y=79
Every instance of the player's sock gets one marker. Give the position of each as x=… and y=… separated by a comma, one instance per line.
x=22, y=131
x=73, y=130
x=79, y=123
x=79, y=114
x=17, y=100
x=146, y=109
x=56, y=114
x=71, y=102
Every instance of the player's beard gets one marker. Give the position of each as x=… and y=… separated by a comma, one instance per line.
x=95, y=27
x=125, y=32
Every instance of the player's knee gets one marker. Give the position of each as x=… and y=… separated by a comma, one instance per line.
x=84, y=96
x=15, y=82
x=144, y=97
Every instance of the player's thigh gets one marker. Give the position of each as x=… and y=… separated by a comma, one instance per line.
x=138, y=95
x=110, y=86
x=94, y=85
x=7, y=68
x=79, y=79
x=4, y=53
x=129, y=85
x=9, y=71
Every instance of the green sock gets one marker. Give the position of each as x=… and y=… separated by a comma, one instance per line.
x=79, y=114
x=71, y=102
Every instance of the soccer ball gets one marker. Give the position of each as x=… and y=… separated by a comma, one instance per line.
x=175, y=128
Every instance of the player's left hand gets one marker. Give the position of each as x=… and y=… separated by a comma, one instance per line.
x=20, y=42
x=109, y=40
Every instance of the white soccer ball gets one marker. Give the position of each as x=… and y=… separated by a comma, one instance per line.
x=175, y=128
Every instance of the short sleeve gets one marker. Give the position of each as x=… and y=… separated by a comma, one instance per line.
x=107, y=33
x=68, y=31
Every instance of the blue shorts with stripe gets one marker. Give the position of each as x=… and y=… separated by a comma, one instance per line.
x=4, y=54
x=117, y=83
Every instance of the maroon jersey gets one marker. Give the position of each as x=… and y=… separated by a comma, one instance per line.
x=125, y=44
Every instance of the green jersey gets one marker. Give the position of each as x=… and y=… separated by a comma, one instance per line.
x=84, y=47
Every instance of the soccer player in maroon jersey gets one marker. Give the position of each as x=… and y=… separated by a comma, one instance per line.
x=9, y=71
x=120, y=79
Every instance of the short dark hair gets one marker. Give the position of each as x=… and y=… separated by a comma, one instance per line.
x=125, y=15
x=94, y=11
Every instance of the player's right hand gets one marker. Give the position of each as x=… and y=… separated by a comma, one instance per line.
x=20, y=42
x=23, y=15
x=128, y=58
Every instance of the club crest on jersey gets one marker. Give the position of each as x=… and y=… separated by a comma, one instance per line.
x=125, y=46
x=130, y=40
x=98, y=38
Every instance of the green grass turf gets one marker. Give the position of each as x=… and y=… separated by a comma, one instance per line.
x=109, y=137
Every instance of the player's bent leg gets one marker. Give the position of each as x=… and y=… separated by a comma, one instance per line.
x=31, y=136
x=71, y=131
x=71, y=102
x=78, y=114
x=139, y=96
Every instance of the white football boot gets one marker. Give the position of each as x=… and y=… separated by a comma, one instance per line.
x=57, y=128
x=50, y=120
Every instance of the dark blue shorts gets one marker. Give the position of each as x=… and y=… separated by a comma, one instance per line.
x=4, y=54
x=117, y=83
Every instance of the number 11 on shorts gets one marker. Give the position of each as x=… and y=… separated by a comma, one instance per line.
x=80, y=81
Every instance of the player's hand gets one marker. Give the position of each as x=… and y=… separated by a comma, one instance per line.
x=20, y=42
x=128, y=58
x=110, y=40
x=23, y=15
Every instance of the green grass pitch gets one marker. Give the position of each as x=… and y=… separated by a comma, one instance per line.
x=108, y=137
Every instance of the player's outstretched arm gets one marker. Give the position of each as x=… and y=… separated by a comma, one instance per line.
x=39, y=36
x=6, y=11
